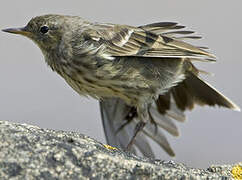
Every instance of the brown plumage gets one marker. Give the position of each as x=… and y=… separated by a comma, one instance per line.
x=143, y=76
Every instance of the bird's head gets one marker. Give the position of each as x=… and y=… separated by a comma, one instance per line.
x=47, y=31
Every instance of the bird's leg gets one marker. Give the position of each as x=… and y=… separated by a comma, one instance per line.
x=143, y=116
x=137, y=129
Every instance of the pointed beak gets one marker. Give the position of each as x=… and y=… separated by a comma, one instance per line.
x=21, y=31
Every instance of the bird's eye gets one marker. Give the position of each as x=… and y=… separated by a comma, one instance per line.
x=44, y=29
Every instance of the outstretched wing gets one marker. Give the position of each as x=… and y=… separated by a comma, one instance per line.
x=119, y=121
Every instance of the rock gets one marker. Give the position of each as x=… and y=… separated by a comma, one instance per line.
x=29, y=152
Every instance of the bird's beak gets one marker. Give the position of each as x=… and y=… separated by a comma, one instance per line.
x=21, y=31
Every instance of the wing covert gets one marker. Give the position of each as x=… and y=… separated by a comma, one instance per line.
x=146, y=41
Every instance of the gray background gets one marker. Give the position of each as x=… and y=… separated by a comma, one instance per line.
x=31, y=93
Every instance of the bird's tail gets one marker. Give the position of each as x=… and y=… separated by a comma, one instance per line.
x=193, y=90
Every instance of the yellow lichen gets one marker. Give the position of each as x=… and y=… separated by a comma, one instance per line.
x=109, y=147
x=237, y=172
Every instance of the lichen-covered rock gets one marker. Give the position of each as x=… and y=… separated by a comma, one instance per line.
x=29, y=152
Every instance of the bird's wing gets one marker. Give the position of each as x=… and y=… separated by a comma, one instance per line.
x=153, y=40
x=114, y=114
x=119, y=119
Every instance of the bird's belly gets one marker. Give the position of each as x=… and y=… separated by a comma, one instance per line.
x=99, y=88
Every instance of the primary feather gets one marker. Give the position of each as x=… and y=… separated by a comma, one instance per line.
x=121, y=40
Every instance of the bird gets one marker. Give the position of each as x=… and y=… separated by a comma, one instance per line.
x=144, y=77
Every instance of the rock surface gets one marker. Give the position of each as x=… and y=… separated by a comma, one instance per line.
x=29, y=152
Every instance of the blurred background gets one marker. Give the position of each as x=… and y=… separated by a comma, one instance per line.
x=31, y=93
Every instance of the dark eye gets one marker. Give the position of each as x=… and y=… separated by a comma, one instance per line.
x=44, y=29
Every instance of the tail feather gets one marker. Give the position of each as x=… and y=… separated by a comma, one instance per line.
x=143, y=145
x=193, y=90
x=163, y=121
x=156, y=135
x=166, y=105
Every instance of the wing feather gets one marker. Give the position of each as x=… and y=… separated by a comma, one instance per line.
x=156, y=135
x=122, y=40
x=114, y=112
